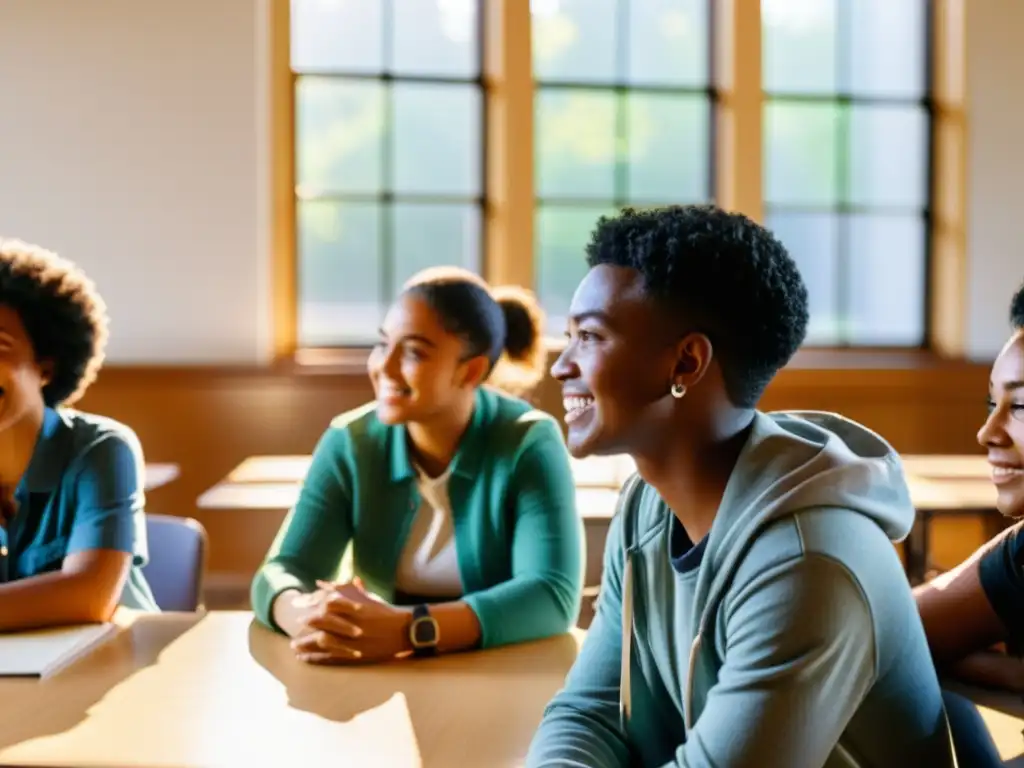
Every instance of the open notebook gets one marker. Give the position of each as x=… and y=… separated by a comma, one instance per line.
x=45, y=652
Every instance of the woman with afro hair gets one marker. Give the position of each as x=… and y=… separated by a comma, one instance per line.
x=72, y=521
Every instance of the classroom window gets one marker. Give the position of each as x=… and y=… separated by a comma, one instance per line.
x=847, y=145
x=624, y=112
x=389, y=117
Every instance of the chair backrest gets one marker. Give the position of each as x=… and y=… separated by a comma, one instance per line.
x=177, y=561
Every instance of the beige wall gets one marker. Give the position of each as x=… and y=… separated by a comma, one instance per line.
x=133, y=138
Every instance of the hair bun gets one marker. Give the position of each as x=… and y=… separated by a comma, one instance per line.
x=525, y=357
x=524, y=321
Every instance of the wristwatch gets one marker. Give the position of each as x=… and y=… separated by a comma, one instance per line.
x=423, y=632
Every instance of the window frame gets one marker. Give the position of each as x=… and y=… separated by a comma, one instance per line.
x=847, y=100
x=737, y=172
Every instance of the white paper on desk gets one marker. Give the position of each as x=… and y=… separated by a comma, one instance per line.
x=42, y=653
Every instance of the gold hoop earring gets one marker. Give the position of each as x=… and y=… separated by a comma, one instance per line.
x=678, y=390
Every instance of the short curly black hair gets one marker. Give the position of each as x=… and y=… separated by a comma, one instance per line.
x=1017, y=309
x=63, y=315
x=725, y=276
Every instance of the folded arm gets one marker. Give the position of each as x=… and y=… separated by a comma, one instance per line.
x=542, y=598
x=311, y=541
x=101, y=549
x=85, y=591
x=973, y=606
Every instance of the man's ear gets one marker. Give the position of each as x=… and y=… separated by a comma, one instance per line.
x=693, y=357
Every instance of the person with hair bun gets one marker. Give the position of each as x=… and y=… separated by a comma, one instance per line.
x=457, y=497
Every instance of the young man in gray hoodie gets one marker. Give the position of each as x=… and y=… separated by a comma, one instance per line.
x=753, y=610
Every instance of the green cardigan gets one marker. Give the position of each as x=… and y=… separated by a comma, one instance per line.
x=518, y=537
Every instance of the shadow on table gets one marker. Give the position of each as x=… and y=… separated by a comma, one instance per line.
x=510, y=685
x=33, y=709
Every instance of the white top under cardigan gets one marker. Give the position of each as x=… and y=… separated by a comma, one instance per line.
x=429, y=565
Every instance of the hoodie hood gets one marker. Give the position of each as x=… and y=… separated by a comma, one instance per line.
x=797, y=460
x=792, y=461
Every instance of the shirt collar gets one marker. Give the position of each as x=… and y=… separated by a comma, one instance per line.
x=467, y=458
x=48, y=461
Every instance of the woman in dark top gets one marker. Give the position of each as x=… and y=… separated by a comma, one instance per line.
x=975, y=612
x=981, y=602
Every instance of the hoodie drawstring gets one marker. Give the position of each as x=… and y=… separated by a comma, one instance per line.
x=625, y=704
x=691, y=667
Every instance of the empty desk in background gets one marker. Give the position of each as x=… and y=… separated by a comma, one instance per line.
x=594, y=472
x=947, y=467
x=159, y=475
x=219, y=690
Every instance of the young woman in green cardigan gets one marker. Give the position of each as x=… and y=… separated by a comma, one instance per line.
x=458, y=500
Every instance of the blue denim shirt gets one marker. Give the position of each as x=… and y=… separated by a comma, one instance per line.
x=83, y=489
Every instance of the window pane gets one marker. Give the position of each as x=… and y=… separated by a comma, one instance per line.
x=888, y=156
x=434, y=38
x=668, y=148
x=561, y=232
x=800, y=153
x=811, y=239
x=668, y=42
x=431, y=234
x=886, y=42
x=575, y=144
x=574, y=39
x=437, y=138
x=799, y=46
x=339, y=127
x=886, y=279
x=339, y=272
x=333, y=35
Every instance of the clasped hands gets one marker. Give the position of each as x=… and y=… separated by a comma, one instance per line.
x=344, y=624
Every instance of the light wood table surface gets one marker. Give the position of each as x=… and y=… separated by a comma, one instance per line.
x=595, y=472
x=947, y=467
x=184, y=691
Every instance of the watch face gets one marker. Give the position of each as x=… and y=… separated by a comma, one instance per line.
x=424, y=632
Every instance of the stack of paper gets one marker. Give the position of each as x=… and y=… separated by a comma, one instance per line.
x=42, y=653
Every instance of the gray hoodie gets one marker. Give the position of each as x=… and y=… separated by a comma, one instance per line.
x=788, y=637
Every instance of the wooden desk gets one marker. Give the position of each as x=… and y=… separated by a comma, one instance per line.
x=955, y=497
x=158, y=475
x=596, y=472
x=218, y=690
x=184, y=691
x=947, y=467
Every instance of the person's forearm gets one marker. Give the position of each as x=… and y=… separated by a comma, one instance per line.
x=458, y=627
x=52, y=599
x=990, y=669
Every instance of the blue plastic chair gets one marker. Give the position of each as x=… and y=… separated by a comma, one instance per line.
x=177, y=562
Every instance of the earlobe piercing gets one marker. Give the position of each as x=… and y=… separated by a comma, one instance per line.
x=678, y=390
